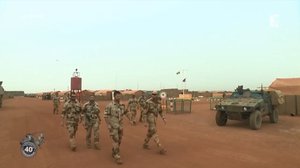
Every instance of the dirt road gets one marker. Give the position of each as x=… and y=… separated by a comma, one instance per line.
x=192, y=140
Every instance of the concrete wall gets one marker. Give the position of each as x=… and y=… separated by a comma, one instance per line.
x=14, y=93
x=128, y=96
x=298, y=105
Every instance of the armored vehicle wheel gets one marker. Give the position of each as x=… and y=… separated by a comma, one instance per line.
x=274, y=116
x=221, y=118
x=255, y=120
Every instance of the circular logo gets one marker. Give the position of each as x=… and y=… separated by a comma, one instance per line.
x=28, y=149
x=163, y=95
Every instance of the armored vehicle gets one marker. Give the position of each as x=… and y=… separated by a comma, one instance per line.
x=1, y=93
x=245, y=104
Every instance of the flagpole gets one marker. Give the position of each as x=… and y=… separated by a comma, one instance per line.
x=183, y=85
x=179, y=78
x=183, y=82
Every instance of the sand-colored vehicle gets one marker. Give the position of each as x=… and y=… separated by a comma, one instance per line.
x=245, y=104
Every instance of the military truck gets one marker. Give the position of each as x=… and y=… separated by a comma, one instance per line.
x=245, y=104
x=1, y=93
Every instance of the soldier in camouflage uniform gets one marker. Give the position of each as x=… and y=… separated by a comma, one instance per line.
x=132, y=106
x=71, y=115
x=56, y=103
x=91, y=121
x=66, y=97
x=1, y=93
x=142, y=106
x=113, y=115
x=153, y=109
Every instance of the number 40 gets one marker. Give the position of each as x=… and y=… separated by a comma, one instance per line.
x=28, y=149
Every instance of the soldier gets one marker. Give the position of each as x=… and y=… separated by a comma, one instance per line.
x=56, y=103
x=240, y=89
x=224, y=95
x=91, y=121
x=153, y=109
x=142, y=105
x=1, y=93
x=113, y=115
x=66, y=97
x=71, y=114
x=132, y=105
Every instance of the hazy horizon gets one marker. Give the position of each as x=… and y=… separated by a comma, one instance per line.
x=143, y=44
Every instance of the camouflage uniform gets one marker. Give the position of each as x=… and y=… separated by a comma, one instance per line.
x=66, y=98
x=0, y=100
x=153, y=109
x=55, y=104
x=71, y=114
x=132, y=105
x=91, y=122
x=1, y=93
x=113, y=115
x=142, y=105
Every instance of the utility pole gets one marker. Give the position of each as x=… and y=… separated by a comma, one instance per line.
x=183, y=81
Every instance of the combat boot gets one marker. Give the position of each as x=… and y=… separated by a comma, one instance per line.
x=119, y=161
x=97, y=146
x=146, y=146
x=73, y=144
x=117, y=157
x=73, y=148
x=88, y=143
x=162, y=151
x=89, y=146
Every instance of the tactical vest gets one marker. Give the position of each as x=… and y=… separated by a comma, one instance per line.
x=92, y=111
x=72, y=111
x=116, y=111
x=132, y=104
x=153, y=108
x=142, y=102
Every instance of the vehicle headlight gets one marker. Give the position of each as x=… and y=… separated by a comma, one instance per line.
x=245, y=109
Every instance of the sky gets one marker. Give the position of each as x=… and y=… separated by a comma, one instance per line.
x=216, y=45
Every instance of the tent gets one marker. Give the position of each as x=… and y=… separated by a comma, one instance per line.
x=288, y=86
x=127, y=94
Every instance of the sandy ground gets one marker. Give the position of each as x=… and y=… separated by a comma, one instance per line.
x=192, y=140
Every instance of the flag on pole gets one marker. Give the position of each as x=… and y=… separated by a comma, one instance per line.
x=177, y=73
x=184, y=80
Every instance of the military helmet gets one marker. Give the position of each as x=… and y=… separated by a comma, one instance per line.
x=154, y=93
x=72, y=94
x=92, y=98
